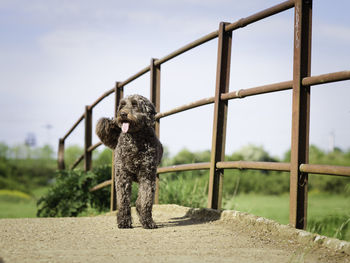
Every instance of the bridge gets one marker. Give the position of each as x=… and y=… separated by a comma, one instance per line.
x=184, y=235
x=301, y=84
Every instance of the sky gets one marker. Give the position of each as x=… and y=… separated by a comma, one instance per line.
x=57, y=56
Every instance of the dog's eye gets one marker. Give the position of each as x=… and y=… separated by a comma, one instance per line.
x=134, y=104
x=122, y=104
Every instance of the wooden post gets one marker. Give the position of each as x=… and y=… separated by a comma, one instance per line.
x=155, y=99
x=220, y=117
x=300, y=113
x=88, y=139
x=60, y=159
x=119, y=93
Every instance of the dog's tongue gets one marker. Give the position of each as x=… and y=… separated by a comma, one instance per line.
x=125, y=127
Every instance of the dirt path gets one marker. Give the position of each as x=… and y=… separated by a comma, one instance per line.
x=183, y=236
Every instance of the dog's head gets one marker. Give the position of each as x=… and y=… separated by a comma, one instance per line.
x=135, y=112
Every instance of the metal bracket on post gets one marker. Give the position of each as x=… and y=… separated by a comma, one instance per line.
x=220, y=117
x=88, y=139
x=119, y=93
x=300, y=113
x=155, y=99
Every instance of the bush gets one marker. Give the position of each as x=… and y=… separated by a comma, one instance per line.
x=249, y=181
x=70, y=195
x=23, y=168
x=188, y=189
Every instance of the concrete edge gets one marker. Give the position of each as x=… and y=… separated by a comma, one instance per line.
x=283, y=231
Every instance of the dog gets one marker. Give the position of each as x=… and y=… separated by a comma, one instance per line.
x=137, y=153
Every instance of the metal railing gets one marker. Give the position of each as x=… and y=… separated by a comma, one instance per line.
x=300, y=86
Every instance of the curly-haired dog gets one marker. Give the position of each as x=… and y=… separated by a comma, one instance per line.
x=137, y=154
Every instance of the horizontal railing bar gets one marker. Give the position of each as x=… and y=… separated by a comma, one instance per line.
x=280, y=86
x=135, y=76
x=238, y=24
x=77, y=161
x=187, y=47
x=260, y=15
x=258, y=90
x=104, y=95
x=186, y=107
x=101, y=185
x=74, y=126
x=326, y=78
x=93, y=147
x=325, y=169
x=183, y=167
x=273, y=166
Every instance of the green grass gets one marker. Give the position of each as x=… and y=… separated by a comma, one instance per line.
x=268, y=206
x=14, y=204
x=328, y=214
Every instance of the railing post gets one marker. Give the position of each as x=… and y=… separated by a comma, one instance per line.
x=88, y=139
x=119, y=93
x=155, y=99
x=60, y=159
x=300, y=113
x=220, y=117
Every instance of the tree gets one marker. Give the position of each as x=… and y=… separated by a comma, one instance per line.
x=102, y=158
x=71, y=154
x=252, y=153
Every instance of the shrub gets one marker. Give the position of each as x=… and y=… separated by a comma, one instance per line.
x=188, y=189
x=70, y=195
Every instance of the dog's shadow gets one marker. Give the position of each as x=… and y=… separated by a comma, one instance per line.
x=193, y=216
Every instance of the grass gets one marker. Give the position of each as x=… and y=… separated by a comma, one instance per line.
x=328, y=215
x=274, y=207
x=14, y=204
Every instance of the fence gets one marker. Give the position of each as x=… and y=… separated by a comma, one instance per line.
x=301, y=83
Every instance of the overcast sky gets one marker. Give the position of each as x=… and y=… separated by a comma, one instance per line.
x=57, y=56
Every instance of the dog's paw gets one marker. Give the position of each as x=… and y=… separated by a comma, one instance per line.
x=149, y=225
x=124, y=225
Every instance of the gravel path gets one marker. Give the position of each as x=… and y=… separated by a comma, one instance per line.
x=183, y=235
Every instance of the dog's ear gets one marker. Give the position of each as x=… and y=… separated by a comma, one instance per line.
x=149, y=109
x=151, y=112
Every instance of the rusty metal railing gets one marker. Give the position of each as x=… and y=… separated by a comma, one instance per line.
x=300, y=85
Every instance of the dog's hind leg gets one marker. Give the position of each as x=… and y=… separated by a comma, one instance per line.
x=144, y=203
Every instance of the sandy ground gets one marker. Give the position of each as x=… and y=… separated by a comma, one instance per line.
x=183, y=236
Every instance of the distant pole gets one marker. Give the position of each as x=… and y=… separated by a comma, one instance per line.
x=48, y=127
x=331, y=142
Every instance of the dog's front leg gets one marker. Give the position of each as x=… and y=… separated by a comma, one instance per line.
x=123, y=187
x=144, y=203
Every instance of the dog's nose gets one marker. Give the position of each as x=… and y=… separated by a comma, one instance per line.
x=123, y=115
